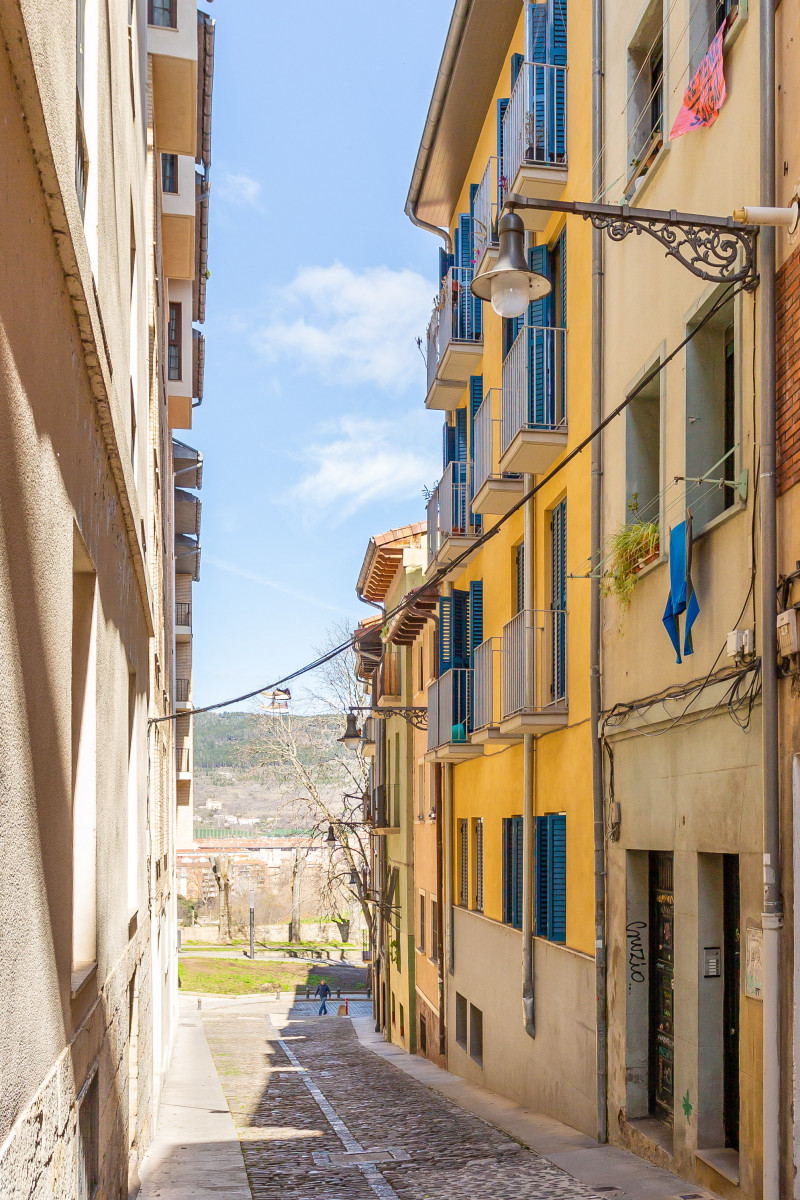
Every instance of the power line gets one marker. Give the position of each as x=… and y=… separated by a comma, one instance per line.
x=729, y=293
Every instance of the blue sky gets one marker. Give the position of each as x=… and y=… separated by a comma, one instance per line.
x=313, y=428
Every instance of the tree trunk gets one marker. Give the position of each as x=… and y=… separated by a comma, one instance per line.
x=294, y=924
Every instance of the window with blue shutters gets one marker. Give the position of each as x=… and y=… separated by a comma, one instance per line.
x=461, y=435
x=475, y=616
x=519, y=576
x=446, y=261
x=551, y=877
x=445, y=633
x=513, y=854
x=546, y=50
x=558, y=602
x=448, y=445
x=546, y=342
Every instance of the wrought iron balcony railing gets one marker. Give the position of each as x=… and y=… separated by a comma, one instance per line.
x=535, y=121
x=449, y=510
x=535, y=663
x=456, y=318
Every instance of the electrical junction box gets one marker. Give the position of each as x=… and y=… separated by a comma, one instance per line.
x=788, y=634
x=741, y=643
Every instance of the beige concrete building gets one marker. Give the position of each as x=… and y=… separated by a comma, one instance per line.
x=89, y=95
x=682, y=739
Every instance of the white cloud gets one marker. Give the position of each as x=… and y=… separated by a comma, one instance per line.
x=358, y=461
x=352, y=326
x=239, y=189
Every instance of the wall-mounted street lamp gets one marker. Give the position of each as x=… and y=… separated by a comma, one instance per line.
x=352, y=734
x=511, y=285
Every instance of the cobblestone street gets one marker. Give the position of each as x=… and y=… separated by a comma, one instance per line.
x=319, y=1116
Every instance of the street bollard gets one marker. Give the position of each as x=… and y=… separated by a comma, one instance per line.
x=199, y=1002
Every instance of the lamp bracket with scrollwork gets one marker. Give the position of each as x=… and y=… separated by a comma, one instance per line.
x=416, y=716
x=717, y=249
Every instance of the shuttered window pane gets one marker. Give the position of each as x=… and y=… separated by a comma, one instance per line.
x=464, y=854
x=479, y=864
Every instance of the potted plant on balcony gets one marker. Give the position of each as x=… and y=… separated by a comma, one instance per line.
x=633, y=546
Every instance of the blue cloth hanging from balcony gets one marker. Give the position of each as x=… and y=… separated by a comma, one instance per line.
x=682, y=596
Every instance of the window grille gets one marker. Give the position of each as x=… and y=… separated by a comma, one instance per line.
x=174, y=365
x=479, y=864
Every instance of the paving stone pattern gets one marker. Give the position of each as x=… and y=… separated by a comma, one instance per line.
x=426, y=1147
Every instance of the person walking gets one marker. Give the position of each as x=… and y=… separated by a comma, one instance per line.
x=323, y=991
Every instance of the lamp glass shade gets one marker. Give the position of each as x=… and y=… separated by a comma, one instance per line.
x=510, y=293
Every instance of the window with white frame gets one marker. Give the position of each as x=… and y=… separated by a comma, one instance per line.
x=645, y=107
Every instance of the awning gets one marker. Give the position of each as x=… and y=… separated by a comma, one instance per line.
x=187, y=556
x=187, y=512
x=406, y=626
x=187, y=464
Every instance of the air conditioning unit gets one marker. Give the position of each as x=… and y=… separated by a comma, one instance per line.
x=788, y=633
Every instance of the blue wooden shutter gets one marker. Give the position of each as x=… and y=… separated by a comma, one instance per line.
x=461, y=435
x=507, y=870
x=562, y=258
x=560, y=400
x=516, y=66
x=558, y=551
x=502, y=182
x=448, y=445
x=460, y=616
x=463, y=245
x=445, y=633
x=475, y=401
x=445, y=263
x=518, y=852
x=536, y=28
x=542, y=876
x=475, y=616
x=557, y=923
x=558, y=83
x=539, y=343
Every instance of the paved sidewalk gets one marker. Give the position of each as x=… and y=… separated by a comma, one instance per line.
x=196, y=1154
x=607, y=1169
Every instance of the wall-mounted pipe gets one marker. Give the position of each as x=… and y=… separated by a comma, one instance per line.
x=528, y=784
x=596, y=533
x=772, y=915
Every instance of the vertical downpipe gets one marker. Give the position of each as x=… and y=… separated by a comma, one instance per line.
x=528, y=750
x=772, y=916
x=598, y=805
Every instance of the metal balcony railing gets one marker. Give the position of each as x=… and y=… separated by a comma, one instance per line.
x=535, y=122
x=449, y=509
x=486, y=211
x=182, y=690
x=488, y=684
x=182, y=759
x=456, y=317
x=534, y=383
x=450, y=708
x=535, y=661
x=183, y=613
x=488, y=439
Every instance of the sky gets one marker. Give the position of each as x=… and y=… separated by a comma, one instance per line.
x=313, y=428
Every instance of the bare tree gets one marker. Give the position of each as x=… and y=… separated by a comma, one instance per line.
x=221, y=866
x=324, y=782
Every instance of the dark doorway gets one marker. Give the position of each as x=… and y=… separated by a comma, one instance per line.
x=662, y=957
x=730, y=1000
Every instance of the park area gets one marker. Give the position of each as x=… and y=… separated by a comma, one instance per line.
x=228, y=976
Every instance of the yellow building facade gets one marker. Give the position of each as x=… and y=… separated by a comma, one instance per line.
x=509, y=713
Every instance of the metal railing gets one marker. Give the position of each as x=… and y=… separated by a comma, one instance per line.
x=488, y=683
x=455, y=705
x=535, y=122
x=486, y=211
x=456, y=317
x=433, y=525
x=534, y=382
x=183, y=613
x=182, y=690
x=487, y=434
x=433, y=715
x=182, y=759
x=449, y=510
x=535, y=661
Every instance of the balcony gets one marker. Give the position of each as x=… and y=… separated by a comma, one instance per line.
x=172, y=43
x=451, y=522
x=495, y=493
x=450, y=717
x=534, y=419
x=485, y=214
x=368, y=737
x=183, y=621
x=183, y=763
x=534, y=685
x=455, y=340
x=535, y=138
x=389, y=680
x=182, y=693
x=488, y=696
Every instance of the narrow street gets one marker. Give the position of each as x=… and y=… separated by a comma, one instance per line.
x=319, y=1113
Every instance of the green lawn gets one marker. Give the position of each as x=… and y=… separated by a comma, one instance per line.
x=230, y=977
